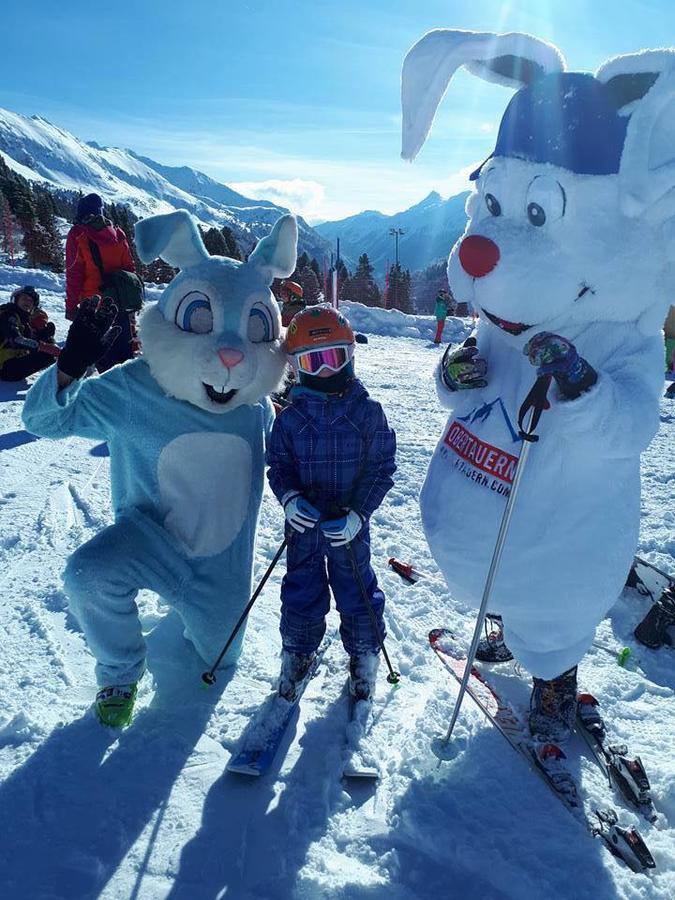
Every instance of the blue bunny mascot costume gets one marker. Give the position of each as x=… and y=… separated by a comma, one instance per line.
x=186, y=426
x=567, y=259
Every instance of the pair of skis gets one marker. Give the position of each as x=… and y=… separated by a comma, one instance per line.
x=262, y=742
x=547, y=760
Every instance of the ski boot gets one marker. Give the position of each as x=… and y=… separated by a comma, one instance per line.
x=491, y=648
x=115, y=704
x=553, y=707
x=654, y=630
x=362, y=672
x=294, y=667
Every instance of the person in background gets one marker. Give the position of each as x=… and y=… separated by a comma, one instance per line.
x=291, y=299
x=95, y=248
x=442, y=309
x=22, y=319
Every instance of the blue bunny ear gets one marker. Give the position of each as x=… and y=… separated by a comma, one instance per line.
x=276, y=254
x=173, y=236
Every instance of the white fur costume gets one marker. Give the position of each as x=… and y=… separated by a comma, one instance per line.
x=186, y=427
x=579, y=224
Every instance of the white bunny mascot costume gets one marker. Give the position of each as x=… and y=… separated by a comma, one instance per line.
x=186, y=426
x=571, y=232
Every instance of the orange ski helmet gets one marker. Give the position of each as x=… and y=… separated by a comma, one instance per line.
x=316, y=327
x=292, y=287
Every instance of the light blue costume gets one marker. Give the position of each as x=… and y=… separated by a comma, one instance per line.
x=183, y=528
x=186, y=474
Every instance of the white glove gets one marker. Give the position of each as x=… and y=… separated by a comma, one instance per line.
x=300, y=514
x=343, y=530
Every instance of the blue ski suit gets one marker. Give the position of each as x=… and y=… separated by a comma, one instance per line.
x=339, y=452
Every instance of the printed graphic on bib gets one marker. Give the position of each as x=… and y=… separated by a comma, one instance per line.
x=484, y=463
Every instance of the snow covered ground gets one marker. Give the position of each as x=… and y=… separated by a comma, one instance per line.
x=149, y=813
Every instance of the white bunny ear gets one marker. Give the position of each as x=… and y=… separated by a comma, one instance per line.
x=513, y=60
x=643, y=86
x=173, y=236
x=276, y=254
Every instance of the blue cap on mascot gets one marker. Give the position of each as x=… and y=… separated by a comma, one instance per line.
x=568, y=119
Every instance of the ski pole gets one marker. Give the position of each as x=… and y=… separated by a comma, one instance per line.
x=535, y=403
x=209, y=678
x=393, y=677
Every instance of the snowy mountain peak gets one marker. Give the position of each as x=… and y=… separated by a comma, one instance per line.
x=43, y=152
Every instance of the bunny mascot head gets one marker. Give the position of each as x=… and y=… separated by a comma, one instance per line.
x=186, y=426
x=568, y=259
x=214, y=337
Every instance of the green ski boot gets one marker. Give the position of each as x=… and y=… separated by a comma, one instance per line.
x=115, y=704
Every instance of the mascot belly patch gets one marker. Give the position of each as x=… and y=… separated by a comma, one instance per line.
x=205, y=487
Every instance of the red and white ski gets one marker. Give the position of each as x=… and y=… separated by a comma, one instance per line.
x=547, y=760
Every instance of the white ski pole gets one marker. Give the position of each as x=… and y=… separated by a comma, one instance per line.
x=535, y=403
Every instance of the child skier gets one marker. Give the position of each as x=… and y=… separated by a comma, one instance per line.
x=331, y=461
x=22, y=322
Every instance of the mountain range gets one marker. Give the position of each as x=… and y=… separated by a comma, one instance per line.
x=43, y=152
x=430, y=229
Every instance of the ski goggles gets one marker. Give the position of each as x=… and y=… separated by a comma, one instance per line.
x=311, y=362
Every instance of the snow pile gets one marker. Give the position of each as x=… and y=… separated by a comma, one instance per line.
x=394, y=323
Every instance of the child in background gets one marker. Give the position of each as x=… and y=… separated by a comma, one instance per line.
x=331, y=459
x=22, y=319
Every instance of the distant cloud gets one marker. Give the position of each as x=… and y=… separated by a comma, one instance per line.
x=303, y=197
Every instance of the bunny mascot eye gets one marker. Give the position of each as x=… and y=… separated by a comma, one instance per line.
x=493, y=205
x=194, y=313
x=546, y=201
x=492, y=187
x=261, y=327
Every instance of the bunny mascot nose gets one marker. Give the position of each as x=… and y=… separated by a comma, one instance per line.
x=478, y=255
x=230, y=357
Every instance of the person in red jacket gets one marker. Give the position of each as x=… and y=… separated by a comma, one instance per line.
x=93, y=235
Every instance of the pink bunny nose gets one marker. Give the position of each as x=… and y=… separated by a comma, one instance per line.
x=230, y=357
x=478, y=255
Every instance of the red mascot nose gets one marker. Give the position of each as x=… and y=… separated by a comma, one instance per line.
x=478, y=255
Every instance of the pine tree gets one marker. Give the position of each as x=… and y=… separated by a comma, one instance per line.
x=399, y=295
x=361, y=287
x=233, y=249
x=316, y=268
x=311, y=287
x=214, y=241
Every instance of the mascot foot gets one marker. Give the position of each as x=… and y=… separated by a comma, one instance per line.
x=491, y=648
x=115, y=704
x=553, y=707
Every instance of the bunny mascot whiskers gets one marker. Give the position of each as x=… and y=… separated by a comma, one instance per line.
x=186, y=426
x=567, y=259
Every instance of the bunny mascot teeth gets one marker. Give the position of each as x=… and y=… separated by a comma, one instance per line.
x=567, y=258
x=186, y=426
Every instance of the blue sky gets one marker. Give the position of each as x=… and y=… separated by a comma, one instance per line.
x=294, y=101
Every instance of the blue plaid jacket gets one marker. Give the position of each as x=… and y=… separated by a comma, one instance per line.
x=338, y=451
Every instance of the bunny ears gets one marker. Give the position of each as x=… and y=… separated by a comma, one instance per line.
x=175, y=237
x=618, y=120
x=513, y=60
